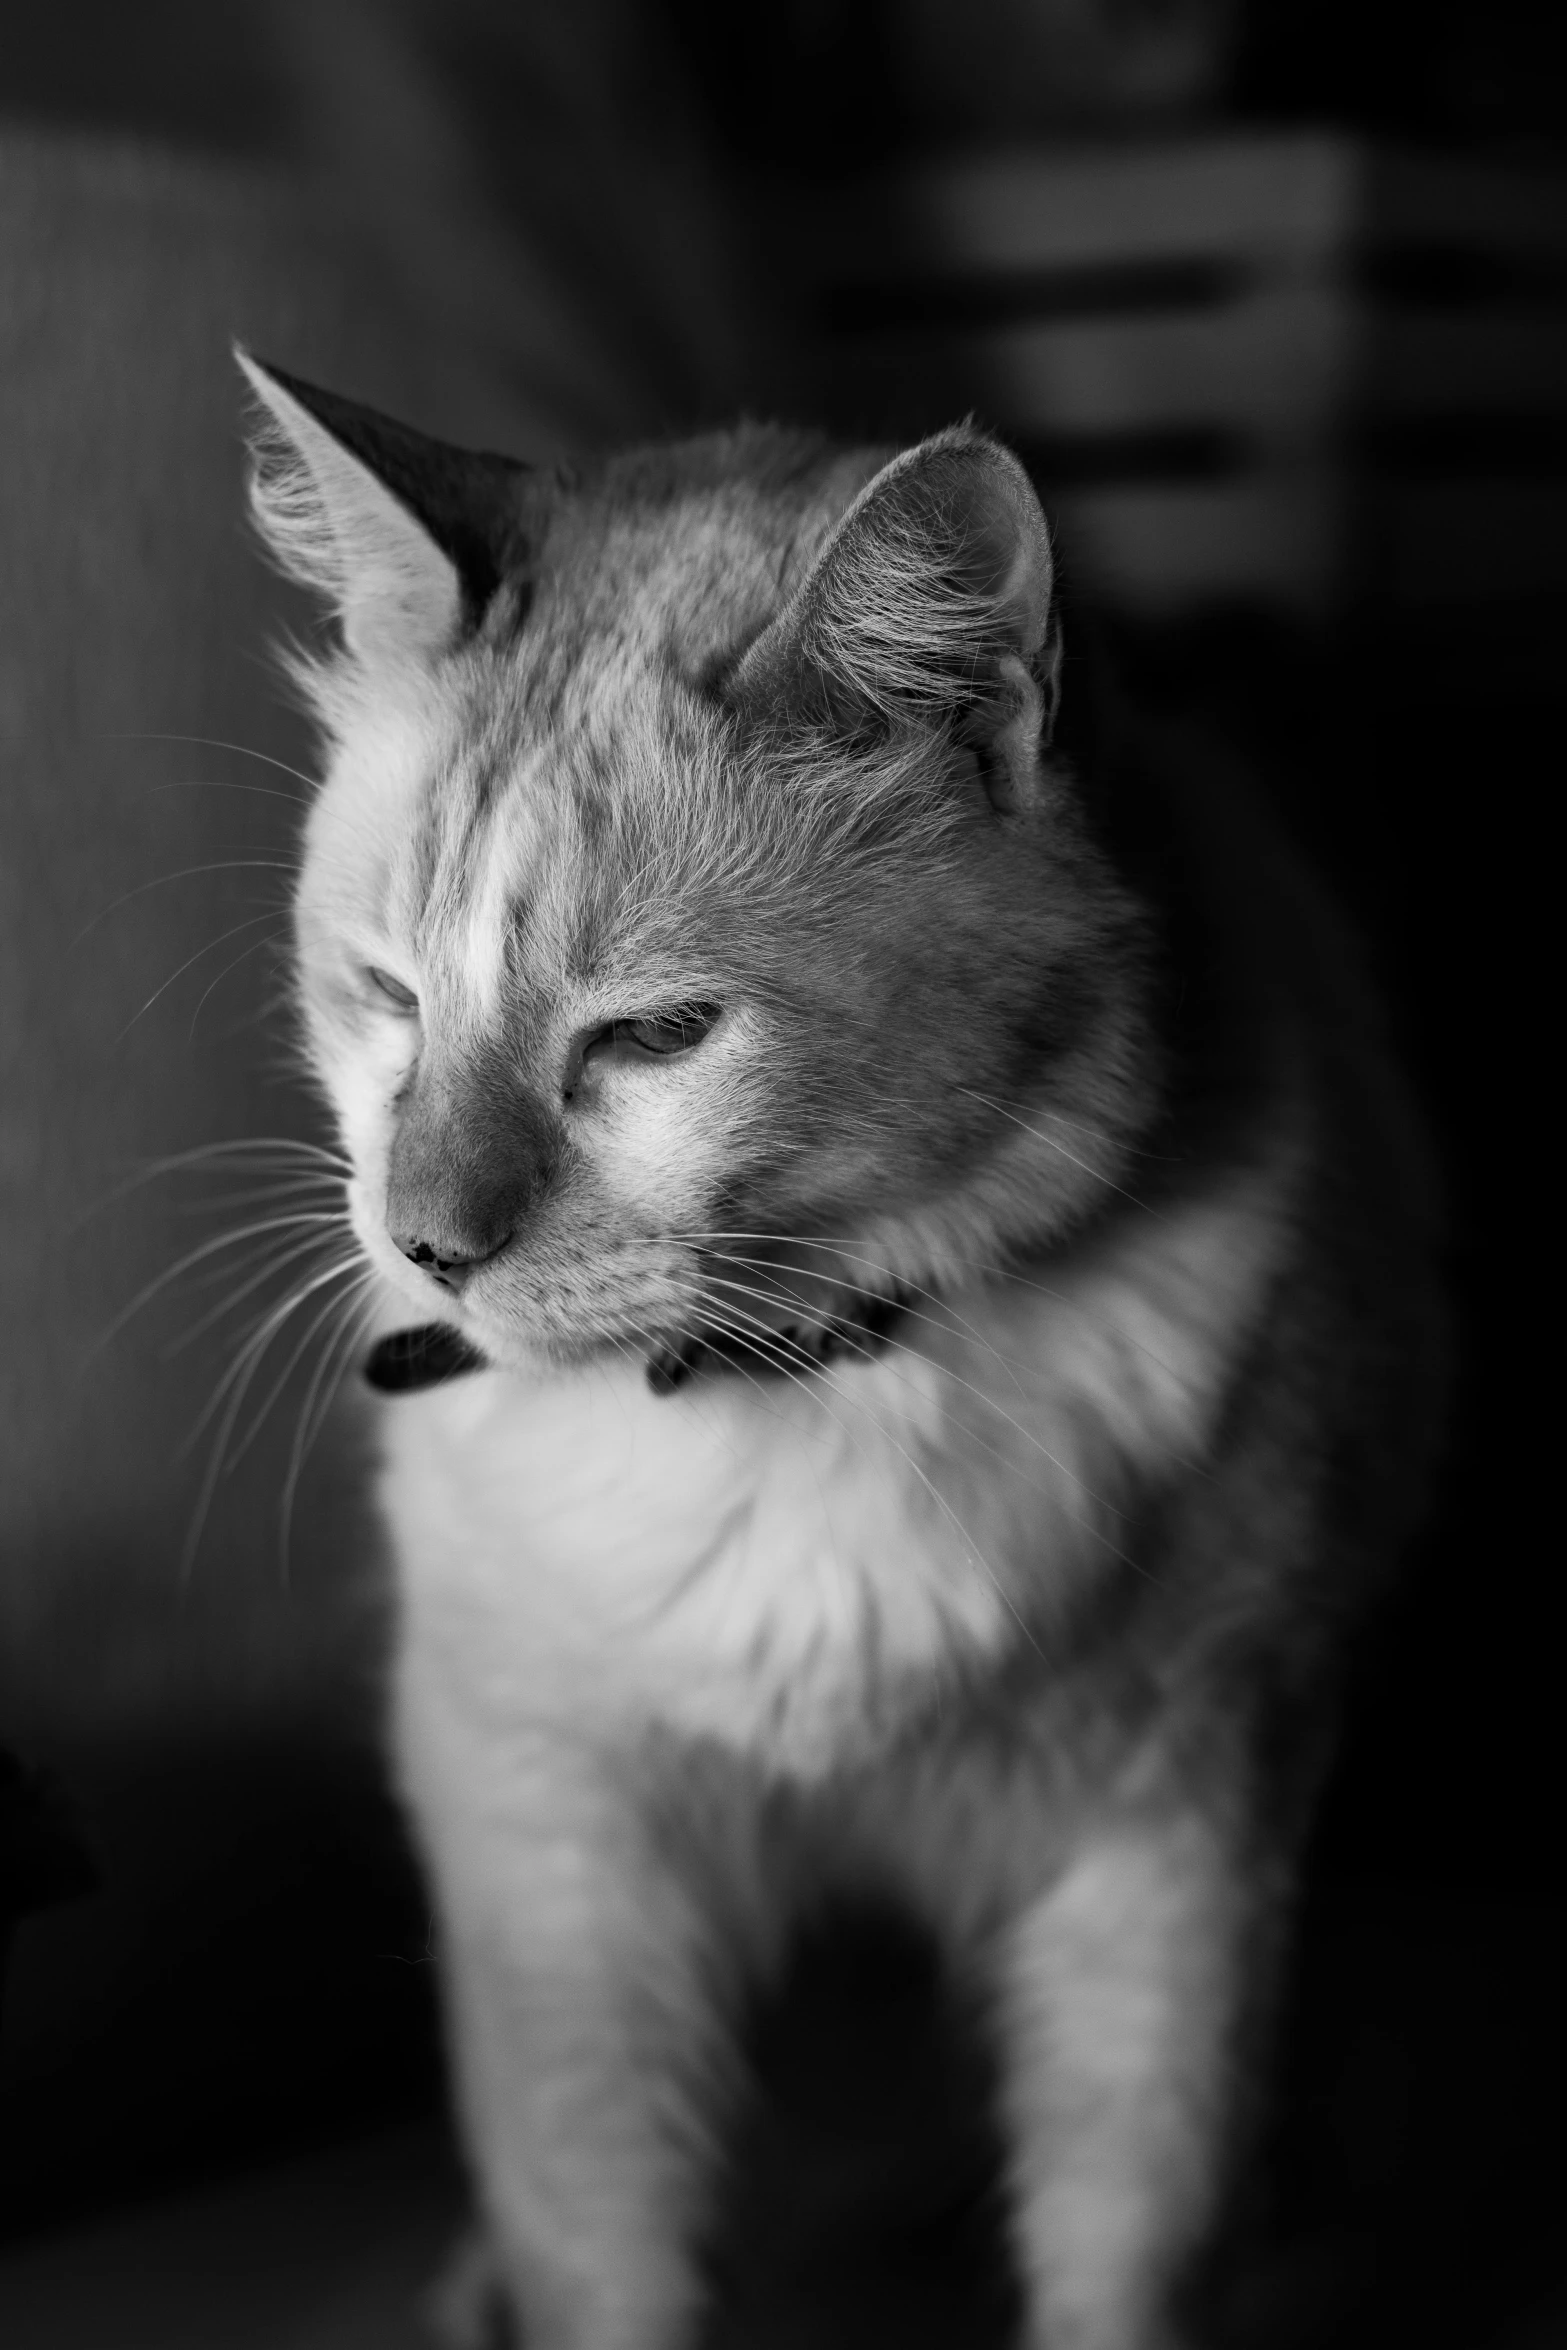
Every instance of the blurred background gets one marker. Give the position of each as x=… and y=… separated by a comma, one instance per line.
x=1273, y=297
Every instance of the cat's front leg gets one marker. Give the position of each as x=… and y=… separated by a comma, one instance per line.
x=588, y=2054
x=1117, y=1993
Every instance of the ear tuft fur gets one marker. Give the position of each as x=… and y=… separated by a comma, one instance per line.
x=930, y=604
x=286, y=503
x=406, y=537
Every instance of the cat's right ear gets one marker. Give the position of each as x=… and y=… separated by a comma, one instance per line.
x=929, y=609
x=406, y=537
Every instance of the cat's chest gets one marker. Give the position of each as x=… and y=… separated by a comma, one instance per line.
x=763, y=1563
x=779, y=1564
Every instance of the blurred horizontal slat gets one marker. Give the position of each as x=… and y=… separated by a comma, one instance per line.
x=1268, y=201
x=1271, y=538
x=1272, y=367
x=1244, y=366
x=1274, y=202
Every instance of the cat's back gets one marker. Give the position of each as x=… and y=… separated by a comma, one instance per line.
x=1320, y=1463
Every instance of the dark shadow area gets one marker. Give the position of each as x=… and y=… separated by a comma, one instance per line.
x=864, y=2203
x=1409, y=2177
x=251, y=1976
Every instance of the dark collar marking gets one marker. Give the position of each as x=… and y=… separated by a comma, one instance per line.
x=864, y=1331
x=432, y=1353
x=421, y=1358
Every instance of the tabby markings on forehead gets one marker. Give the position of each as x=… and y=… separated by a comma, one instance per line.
x=492, y=921
x=422, y=862
x=458, y=889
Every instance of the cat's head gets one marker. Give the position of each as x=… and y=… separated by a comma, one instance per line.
x=694, y=930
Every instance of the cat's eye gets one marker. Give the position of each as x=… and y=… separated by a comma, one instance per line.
x=644, y=1036
x=674, y=1031
x=661, y=1033
x=393, y=989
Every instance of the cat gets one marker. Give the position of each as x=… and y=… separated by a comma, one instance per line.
x=910, y=1278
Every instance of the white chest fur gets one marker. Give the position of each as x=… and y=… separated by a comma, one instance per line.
x=778, y=1565
x=756, y=1563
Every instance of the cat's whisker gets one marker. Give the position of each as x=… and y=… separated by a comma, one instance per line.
x=193, y=1257
x=259, y=1150
x=947, y=1320
x=356, y=1326
x=1034, y=1109
x=272, y=1264
x=978, y=1266
x=889, y=1344
x=948, y=1317
x=777, y=1348
x=246, y=1361
x=732, y=1325
x=797, y=1364
x=326, y=1384
x=265, y=791
x=302, y=1211
x=975, y=1556
x=304, y=1194
x=299, y=1166
x=256, y=947
x=187, y=873
x=684, y=1584
x=890, y=1341
x=235, y=1384
x=1085, y=1126
x=1050, y=1143
x=238, y=1263
x=260, y=1147
x=210, y=742
x=277, y=1189
x=653, y=1342
x=324, y=1315
x=272, y=914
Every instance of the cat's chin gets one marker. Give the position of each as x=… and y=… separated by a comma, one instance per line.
x=538, y=1354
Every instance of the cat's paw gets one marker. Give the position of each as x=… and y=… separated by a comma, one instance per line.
x=468, y=2307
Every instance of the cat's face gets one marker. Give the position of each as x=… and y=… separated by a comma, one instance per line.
x=540, y=1007
x=656, y=1009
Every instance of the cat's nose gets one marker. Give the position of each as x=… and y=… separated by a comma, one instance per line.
x=471, y=1155
x=450, y=1271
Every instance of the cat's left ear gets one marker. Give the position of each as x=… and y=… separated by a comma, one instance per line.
x=929, y=606
x=407, y=537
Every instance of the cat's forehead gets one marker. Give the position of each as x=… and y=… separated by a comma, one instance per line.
x=551, y=833
x=528, y=764
x=573, y=794
x=683, y=551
